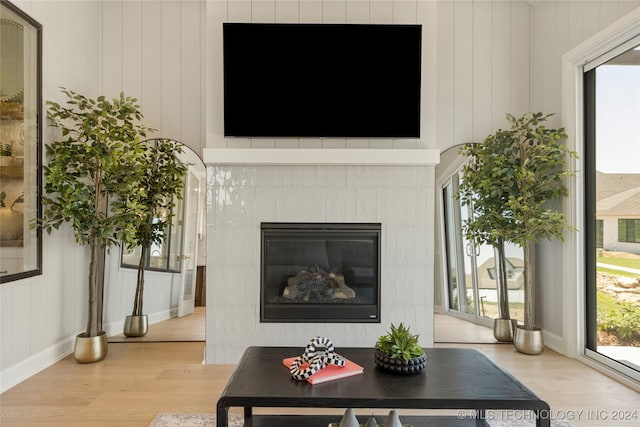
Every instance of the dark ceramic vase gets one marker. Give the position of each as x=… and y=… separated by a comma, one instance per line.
x=399, y=365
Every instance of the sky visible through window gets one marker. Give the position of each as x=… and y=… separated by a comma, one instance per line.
x=618, y=118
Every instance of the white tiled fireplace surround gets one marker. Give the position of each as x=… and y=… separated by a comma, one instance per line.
x=241, y=196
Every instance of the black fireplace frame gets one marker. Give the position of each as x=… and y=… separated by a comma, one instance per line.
x=328, y=313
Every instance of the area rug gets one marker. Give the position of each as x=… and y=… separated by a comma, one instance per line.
x=164, y=419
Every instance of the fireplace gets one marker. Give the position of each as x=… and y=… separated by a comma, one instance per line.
x=320, y=272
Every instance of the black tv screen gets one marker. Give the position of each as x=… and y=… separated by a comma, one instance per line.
x=322, y=80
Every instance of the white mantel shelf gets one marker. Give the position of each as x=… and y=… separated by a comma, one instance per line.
x=312, y=156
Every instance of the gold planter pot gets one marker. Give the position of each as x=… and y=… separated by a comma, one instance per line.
x=528, y=342
x=504, y=329
x=90, y=349
x=135, y=326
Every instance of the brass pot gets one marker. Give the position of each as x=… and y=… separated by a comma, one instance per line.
x=136, y=326
x=90, y=349
x=528, y=342
x=503, y=329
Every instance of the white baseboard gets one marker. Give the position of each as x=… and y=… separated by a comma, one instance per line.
x=553, y=341
x=19, y=372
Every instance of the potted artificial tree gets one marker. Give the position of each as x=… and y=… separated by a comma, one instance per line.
x=531, y=167
x=162, y=182
x=94, y=160
x=483, y=188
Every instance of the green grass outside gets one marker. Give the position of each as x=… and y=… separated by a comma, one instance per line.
x=616, y=272
x=620, y=262
x=606, y=301
x=516, y=310
x=620, y=319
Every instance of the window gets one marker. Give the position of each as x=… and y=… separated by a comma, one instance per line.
x=599, y=233
x=612, y=193
x=629, y=230
x=163, y=256
x=471, y=269
x=20, y=144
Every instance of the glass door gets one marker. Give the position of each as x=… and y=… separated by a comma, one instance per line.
x=612, y=206
x=471, y=279
x=471, y=276
x=452, y=243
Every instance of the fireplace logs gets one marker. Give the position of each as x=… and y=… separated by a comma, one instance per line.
x=317, y=286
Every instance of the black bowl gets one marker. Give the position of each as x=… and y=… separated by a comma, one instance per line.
x=399, y=365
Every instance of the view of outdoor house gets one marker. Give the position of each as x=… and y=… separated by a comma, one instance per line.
x=618, y=258
x=617, y=209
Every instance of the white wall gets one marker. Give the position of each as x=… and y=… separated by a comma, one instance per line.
x=556, y=28
x=242, y=197
x=475, y=69
x=475, y=63
x=610, y=237
x=481, y=59
x=41, y=315
x=152, y=51
x=161, y=291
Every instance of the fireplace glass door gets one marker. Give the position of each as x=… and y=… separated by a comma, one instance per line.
x=320, y=272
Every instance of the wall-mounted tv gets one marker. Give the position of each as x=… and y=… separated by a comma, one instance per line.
x=322, y=80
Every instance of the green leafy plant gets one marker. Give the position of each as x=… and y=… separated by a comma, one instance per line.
x=399, y=342
x=161, y=185
x=95, y=159
x=521, y=170
x=622, y=320
x=481, y=187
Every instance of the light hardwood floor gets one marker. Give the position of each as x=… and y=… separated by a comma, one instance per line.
x=187, y=328
x=451, y=329
x=138, y=380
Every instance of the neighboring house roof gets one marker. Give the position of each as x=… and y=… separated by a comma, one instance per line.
x=486, y=274
x=617, y=194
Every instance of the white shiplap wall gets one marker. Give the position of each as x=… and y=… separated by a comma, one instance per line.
x=482, y=72
x=97, y=47
x=556, y=28
x=312, y=11
x=475, y=69
x=475, y=64
x=41, y=315
x=150, y=49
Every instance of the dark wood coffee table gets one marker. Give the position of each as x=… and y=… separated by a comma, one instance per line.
x=462, y=379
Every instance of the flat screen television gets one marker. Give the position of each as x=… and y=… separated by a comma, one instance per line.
x=322, y=80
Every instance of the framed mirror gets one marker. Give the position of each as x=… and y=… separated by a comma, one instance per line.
x=20, y=143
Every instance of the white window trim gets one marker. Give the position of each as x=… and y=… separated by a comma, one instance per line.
x=573, y=295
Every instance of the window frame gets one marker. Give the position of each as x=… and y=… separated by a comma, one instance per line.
x=573, y=317
x=31, y=193
x=174, y=224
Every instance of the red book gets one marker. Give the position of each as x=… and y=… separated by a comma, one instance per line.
x=330, y=373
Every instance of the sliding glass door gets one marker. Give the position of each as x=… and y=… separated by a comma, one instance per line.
x=612, y=199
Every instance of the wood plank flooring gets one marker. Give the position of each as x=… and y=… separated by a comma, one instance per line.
x=451, y=329
x=187, y=328
x=138, y=380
